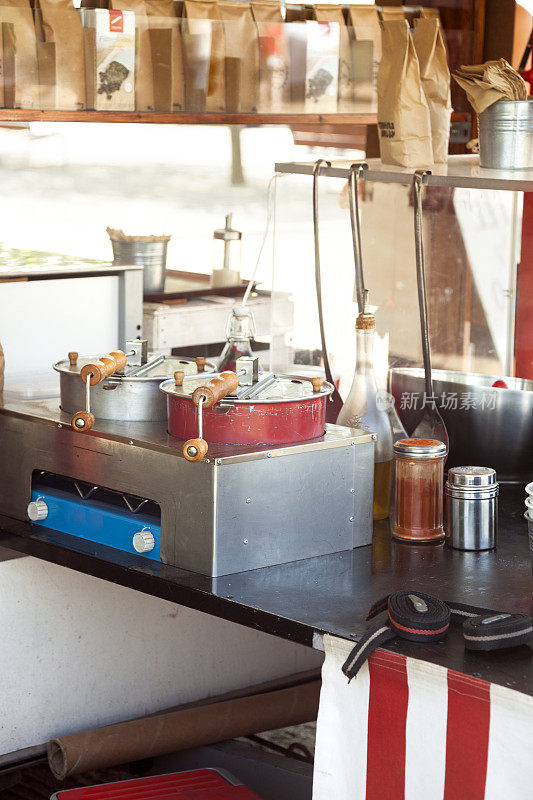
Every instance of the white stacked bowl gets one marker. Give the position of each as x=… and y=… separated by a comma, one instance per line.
x=529, y=502
x=529, y=517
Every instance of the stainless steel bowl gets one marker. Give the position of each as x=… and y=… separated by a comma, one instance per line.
x=487, y=426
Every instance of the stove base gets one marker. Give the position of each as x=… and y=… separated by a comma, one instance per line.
x=239, y=509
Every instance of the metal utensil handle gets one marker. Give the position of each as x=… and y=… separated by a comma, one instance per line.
x=418, y=180
x=84, y=420
x=201, y=418
x=318, y=280
x=356, y=172
x=196, y=449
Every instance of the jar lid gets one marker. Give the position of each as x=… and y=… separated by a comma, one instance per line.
x=471, y=476
x=420, y=448
x=227, y=234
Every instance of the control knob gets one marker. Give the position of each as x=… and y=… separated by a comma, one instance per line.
x=37, y=510
x=144, y=541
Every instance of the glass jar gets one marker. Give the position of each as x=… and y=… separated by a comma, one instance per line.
x=419, y=488
x=240, y=333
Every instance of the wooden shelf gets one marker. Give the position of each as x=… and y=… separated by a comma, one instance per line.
x=22, y=115
x=459, y=171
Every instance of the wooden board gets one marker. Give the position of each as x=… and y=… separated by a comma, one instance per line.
x=156, y=118
x=184, y=285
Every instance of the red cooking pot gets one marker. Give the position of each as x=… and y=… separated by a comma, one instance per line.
x=274, y=409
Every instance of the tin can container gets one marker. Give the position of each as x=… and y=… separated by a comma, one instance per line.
x=506, y=135
x=283, y=411
x=419, y=482
x=472, y=508
x=152, y=256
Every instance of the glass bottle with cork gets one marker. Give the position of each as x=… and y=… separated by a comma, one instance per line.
x=240, y=333
x=363, y=409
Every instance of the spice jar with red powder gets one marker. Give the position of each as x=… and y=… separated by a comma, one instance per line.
x=419, y=486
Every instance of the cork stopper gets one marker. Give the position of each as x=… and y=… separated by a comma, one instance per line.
x=366, y=320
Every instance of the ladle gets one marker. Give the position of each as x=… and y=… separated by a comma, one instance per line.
x=431, y=425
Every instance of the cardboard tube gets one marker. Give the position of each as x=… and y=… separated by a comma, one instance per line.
x=180, y=730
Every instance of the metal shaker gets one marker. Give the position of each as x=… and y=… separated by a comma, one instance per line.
x=471, y=508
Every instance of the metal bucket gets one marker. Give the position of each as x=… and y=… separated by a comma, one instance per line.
x=152, y=256
x=506, y=135
x=486, y=425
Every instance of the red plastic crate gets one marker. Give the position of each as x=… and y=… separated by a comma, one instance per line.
x=199, y=784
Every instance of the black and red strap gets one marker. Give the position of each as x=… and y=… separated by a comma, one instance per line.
x=419, y=617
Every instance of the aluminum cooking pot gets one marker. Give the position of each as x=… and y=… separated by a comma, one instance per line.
x=487, y=426
x=131, y=395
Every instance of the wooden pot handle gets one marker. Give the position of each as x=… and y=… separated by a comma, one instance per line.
x=104, y=367
x=194, y=449
x=82, y=421
x=201, y=361
x=215, y=389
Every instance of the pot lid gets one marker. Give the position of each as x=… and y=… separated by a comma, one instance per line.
x=269, y=388
x=157, y=368
x=471, y=477
x=420, y=448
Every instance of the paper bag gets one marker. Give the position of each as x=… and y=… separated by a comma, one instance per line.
x=333, y=13
x=109, y=38
x=403, y=113
x=18, y=49
x=2, y=66
x=435, y=76
x=60, y=31
x=428, y=12
x=7, y=61
x=2, y=370
x=388, y=13
x=366, y=55
x=274, y=89
x=322, y=67
x=204, y=26
x=296, y=35
x=144, y=81
x=242, y=56
x=487, y=83
x=167, y=54
x=295, y=12
x=295, y=17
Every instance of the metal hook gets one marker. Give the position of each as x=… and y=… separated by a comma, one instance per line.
x=356, y=172
x=336, y=400
x=318, y=280
x=419, y=178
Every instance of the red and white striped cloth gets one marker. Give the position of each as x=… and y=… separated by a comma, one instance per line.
x=405, y=729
